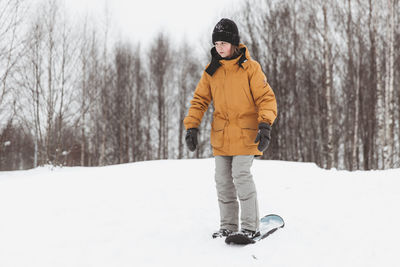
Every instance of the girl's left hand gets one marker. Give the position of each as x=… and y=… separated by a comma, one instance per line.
x=263, y=136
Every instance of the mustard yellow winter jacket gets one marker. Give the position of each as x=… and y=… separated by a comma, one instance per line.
x=242, y=98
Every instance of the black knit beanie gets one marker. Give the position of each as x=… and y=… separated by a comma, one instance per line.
x=226, y=30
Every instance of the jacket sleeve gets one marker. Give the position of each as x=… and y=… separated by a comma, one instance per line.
x=263, y=95
x=199, y=104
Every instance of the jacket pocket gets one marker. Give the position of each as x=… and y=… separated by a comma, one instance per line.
x=217, y=132
x=249, y=126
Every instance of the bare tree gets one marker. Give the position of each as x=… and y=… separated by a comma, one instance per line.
x=159, y=63
x=45, y=83
x=88, y=80
x=29, y=79
x=138, y=115
x=188, y=73
x=123, y=98
x=93, y=101
x=84, y=59
x=104, y=95
x=389, y=87
x=10, y=51
x=328, y=89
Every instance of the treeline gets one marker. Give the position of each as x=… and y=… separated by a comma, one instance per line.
x=335, y=67
x=71, y=95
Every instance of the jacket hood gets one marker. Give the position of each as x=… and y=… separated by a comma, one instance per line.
x=216, y=59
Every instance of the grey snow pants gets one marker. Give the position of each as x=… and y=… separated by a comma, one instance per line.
x=233, y=179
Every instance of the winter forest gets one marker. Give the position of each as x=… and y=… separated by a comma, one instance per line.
x=71, y=96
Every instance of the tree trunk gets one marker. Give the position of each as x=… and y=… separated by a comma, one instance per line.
x=328, y=92
x=389, y=91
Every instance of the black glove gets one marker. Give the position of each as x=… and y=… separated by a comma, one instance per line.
x=264, y=135
x=191, y=138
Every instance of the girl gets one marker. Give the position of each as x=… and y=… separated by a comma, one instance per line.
x=244, y=110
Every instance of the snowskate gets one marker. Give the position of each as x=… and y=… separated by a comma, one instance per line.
x=268, y=225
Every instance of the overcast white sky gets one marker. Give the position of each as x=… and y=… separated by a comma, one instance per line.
x=142, y=19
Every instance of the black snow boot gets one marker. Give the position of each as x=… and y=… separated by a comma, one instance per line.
x=248, y=233
x=222, y=233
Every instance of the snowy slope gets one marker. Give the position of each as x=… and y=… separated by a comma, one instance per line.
x=162, y=213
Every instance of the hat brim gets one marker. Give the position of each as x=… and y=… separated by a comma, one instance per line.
x=226, y=37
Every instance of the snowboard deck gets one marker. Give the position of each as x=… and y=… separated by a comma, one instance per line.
x=268, y=225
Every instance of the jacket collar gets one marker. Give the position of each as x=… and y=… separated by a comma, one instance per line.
x=217, y=61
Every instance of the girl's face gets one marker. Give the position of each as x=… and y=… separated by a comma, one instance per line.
x=223, y=48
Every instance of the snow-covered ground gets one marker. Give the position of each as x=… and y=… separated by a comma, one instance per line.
x=162, y=213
